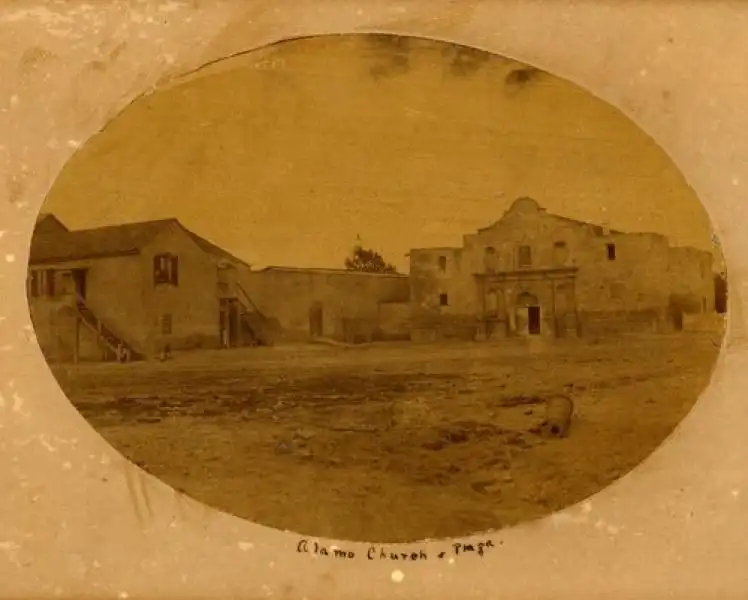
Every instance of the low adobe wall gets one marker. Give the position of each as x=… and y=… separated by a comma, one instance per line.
x=348, y=303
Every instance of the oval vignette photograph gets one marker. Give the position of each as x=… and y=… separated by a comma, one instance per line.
x=377, y=288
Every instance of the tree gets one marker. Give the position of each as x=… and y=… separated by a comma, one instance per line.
x=367, y=260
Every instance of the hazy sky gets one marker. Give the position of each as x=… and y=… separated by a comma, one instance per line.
x=286, y=160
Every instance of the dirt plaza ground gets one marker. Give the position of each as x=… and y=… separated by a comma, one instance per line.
x=394, y=442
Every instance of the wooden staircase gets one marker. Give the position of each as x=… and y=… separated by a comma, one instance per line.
x=264, y=330
x=114, y=347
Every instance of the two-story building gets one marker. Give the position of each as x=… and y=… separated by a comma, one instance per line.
x=536, y=273
x=129, y=291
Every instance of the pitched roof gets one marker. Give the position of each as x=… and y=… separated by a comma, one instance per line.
x=49, y=222
x=211, y=248
x=108, y=241
x=112, y=240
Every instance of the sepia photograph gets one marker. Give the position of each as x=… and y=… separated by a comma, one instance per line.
x=377, y=288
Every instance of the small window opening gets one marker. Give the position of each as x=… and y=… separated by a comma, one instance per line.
x=166, y=269
x=524, y=256
x=560, y=244
x=442, y=263
x=611, y=250
x=489, y=259
x=443, y=300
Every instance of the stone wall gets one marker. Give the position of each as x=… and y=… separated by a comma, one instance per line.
x=393, y=321
x=342, y=301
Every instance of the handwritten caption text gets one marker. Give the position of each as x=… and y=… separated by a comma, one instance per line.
x=383, y=553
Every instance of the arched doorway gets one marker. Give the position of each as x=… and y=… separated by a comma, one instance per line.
x=528, y=314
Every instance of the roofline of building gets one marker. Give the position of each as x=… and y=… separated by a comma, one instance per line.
x=330, y=271
x=611, y=230
x=64, y=260
x=212, y=248
x=216, y=249
x=433, y=248
x=528, y=272
x=42, y=216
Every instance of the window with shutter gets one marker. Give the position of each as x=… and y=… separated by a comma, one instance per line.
x=157, y=270
x=164, y=269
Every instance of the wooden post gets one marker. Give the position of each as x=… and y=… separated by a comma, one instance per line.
x=511, y=312
x=221, y=324
x=483, y=332
x=226, y=331
x=577, y=324
x=238, y=323
x=76, y=339
x=99, y=342
x=503, y=310
x=553, y=307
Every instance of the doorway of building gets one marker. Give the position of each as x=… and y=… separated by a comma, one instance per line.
x=528, y=314
x=234, y=324
x=231, y=323
x=223, y=323
x=316, y=320
x=678, y=320
x=79, y=284
x=533, y=320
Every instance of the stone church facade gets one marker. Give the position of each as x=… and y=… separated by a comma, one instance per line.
x=533, y=273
